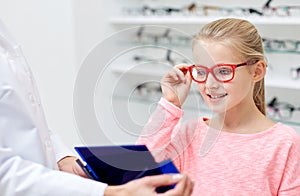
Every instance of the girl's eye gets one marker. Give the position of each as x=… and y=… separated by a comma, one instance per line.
x=201, y=72
x=224, y=71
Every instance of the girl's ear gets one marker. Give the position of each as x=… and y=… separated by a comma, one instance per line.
x=259, y=71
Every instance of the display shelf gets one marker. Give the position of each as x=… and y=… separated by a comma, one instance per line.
x=190, y=20
x=282, y=52
x=291, y=123
x=282, y=82
x=149, y=70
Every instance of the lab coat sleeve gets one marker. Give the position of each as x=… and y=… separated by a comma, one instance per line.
x=19, y=177
x=60, y=149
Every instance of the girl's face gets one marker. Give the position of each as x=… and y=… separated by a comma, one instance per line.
x=222, y=97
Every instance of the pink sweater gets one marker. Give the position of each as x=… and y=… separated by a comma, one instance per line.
x=222, y=163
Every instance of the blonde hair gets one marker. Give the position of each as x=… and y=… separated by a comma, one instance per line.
x=243, y=37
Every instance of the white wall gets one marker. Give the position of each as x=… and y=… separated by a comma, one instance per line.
x=45, y=30
x=56, y=36
x=91, y=26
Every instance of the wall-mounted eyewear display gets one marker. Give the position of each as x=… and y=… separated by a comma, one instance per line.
x=209, y=10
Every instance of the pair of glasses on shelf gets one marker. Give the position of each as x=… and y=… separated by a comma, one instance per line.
x=148, y=89
x=151, y=89
x=227, y=11
x=284, y=10
x=143, y=36
x=285, y=45
x=168, y=59
x=281, y=110
x=295, y=73
x=147, y=10
x=166, y=37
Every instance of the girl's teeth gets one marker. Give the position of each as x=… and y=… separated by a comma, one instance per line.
x=219, y=96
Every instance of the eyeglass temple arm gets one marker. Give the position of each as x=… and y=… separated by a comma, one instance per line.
x=267, y=4
x=251, y=11
x=166, y=33
x=140, y=31
x=248, y=63
x=273, y=102
x=168, y=57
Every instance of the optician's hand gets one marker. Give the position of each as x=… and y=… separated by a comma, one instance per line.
x=69, y=164
x=176, y=84
x=146, y=186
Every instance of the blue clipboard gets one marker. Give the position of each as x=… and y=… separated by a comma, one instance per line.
x=116, y=165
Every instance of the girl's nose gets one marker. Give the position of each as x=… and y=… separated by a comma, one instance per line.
x=211, y=82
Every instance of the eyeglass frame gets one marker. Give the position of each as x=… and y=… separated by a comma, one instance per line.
x=277, y=109
x=282, y=45
x=210, y=70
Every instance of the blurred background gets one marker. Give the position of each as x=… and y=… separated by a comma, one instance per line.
x=136, y=42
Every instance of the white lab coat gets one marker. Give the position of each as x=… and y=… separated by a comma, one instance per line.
x=29, y=151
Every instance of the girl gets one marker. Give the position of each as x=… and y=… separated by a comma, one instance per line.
x=238, y=151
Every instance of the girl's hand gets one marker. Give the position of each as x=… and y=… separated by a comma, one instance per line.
x=176, y=84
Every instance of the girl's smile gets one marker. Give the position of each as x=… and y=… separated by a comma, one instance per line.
x=215, y=98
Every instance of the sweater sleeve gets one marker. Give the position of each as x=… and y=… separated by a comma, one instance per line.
x=158, y=134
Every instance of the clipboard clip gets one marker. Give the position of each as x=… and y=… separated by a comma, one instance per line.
x=87, y=170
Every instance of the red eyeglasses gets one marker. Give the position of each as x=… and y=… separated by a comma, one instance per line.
x=221, y=72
